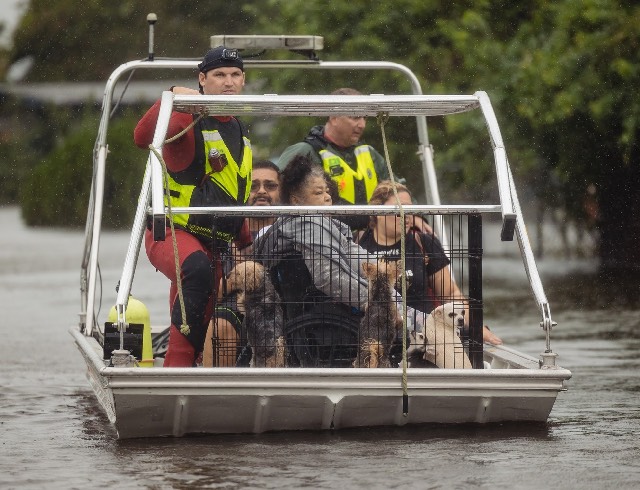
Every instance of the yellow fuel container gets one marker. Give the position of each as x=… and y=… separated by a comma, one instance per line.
x=137, y=312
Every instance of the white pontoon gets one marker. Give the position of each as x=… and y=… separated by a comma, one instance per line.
x=505, y=385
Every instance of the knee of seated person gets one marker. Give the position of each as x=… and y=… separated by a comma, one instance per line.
x=196, y=271
x=223, y=329
x=220, y=349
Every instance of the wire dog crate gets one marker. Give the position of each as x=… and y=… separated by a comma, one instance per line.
x=323, y=294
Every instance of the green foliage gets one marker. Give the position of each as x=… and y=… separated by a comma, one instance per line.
x=431, y=38
x=77, y=41
x=584, y=63
x=56, y=193
x=562, y=77
x=28, y=133
x=576, y=80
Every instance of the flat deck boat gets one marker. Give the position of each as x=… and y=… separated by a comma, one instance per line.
x=504, y=385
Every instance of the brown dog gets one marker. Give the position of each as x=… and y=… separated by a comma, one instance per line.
x=381, y=320
x=263, y=318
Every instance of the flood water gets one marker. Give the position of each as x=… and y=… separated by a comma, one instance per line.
x=54, y=435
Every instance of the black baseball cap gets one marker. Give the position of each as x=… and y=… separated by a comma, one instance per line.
x=219, y=57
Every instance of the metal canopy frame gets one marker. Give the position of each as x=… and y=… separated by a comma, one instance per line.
x=416, y=105
x=327, y=105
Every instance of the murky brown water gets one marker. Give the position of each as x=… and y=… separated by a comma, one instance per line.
x=54, y=435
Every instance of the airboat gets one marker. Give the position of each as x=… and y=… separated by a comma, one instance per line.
x=141, y=398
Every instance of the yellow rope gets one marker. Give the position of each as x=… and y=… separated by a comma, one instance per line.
x=193, y=123
x=184, y=328
x=382, y=119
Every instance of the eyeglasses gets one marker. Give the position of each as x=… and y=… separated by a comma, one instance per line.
x=268, y=185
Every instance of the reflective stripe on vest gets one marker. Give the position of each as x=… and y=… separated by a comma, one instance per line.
x=346, y=177
x=227, y=180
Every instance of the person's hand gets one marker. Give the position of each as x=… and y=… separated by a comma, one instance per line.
x=184, y=91
x=189, y=91
x=489, y=337
x=419, y=223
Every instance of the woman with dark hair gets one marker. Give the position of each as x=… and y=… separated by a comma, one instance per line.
x=325, y=244
x=302, y=183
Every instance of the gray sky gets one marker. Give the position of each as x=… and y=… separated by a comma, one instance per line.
x=10, y=13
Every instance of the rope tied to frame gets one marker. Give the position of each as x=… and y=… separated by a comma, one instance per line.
x=382, y=118
x=184, y=328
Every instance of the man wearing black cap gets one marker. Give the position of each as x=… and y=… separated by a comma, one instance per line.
x=210, y=165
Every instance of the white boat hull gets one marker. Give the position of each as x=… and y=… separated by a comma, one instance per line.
x=150, y=402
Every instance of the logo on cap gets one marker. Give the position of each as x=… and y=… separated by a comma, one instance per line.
x=229, y=54
x=221, y=57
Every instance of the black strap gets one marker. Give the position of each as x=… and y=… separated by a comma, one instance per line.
x=316, y=143
x=242, y=181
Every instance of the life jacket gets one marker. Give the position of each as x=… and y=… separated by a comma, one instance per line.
x=346, y=178
x=199, y=185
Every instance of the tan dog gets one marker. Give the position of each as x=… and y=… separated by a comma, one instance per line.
x=442, y=342
x=263, y=318
x=381, y=320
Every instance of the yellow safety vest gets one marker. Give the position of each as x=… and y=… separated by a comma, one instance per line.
x=346, y=177
x=228, y=187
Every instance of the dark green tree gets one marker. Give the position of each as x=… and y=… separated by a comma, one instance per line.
x=76, y=41
x=452, y=47
x=50, y=152
x=57, y=192
x=576, y=83
x=562, y=77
